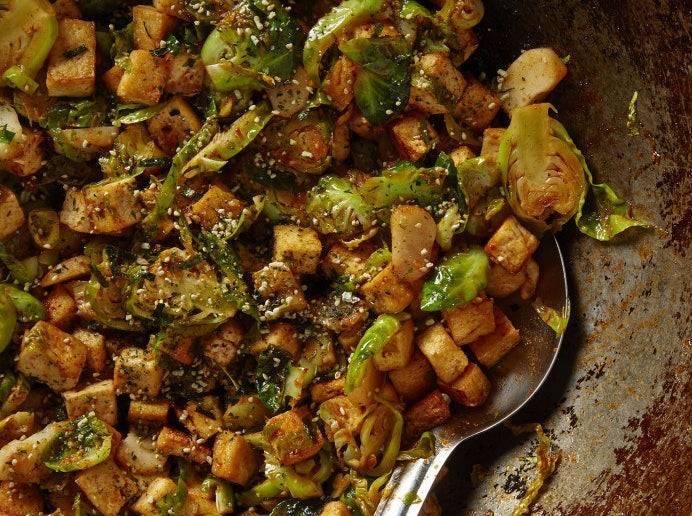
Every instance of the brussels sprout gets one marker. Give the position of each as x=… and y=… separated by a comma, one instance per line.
x=82, y=444
x=8, y=319
x=460, y=15
x=223, y=493
x=543, y=176
x=335, y=207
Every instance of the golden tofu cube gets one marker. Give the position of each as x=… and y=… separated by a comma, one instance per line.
x=173, y=125
x=489, y=349
x=471, y=388
x=339, y=81
x=52, y=356
x=324, y=391
x=413, y=136
x=300, y=248
x=468, y=322
x=511, y=245
x=281, y=335
x=446, y=358
x=280, y=290
x=11, y=213
x=233, y=458
x=146, y=505
x=492, y=137
x=415, y=379
x=148, y=413
x=145, y=80
x=218, y=210
x=107, y=487
x=335, y=508
x=461, y=154
x=98, y=397
x=179, y=444
x=397, y=352
x=293, y=436
x=61, y=308
x=151, y=26
x=111, y=78
x=221, y=346
x=426, y=414
x=137, y=372
x=95, y=344
x=387, y=293
x=204, y=417
x=341, y=260
x=72, y=61
x=477, y=106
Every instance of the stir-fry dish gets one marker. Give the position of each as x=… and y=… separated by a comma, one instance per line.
x=250, y=249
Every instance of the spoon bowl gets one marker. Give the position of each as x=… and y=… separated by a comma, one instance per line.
x=515, y=380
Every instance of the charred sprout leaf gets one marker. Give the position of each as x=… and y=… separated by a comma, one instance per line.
x=325, y=32
x=405, y=182
x=270, y=377
x=298, y=508
x=556, y=320
x=172, y=46
x=82, y=444
x=28, y=29
x=29, y=309
x=173, y=503
x=75, y=114
x=253, y=47
x=457, y=280
x=373, y=340
x=6, y=136
x=423, y=449
x=224, y=497
x=544, y=177
x=382, y=85
x=601, y=214
x=335, y=206
x=17, y=269
x=632, y=116
x=8, y=319
x=126, y=114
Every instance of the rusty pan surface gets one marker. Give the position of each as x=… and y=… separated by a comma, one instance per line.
x=619, y=401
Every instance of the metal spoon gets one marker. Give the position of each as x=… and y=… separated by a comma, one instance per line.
x=515, y=380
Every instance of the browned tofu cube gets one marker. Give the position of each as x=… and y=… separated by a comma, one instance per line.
x=338, y=84
x=502, y=283
x=20, y=499
x=67, y=9
x=218, y=209
x=397, y=352
x=72, y=61
x=468, y=322
x=426, y=414
x=461, y=154
x=471, y=389
x=300, y=248
x=61, y=308
x=324, y=391
x=446, y=358
x=247, y=413
x=492, y=137
x=293, y=436
x=477, y=106
x=174, y=124
x=144, y=82
x=221, y=346
x=438, y=84
x=341, y=260
x=280, y=291
x=148, y=413
x=111, y=78
x=233, y=458
x=335, y=508
x=415, y=379
x=137, y=372
x=70, y=269
x=11, y=213
x=204, y=417
x=97, y=397
x=107, y=487
x=281, y=335
x=150, y=26
x=179, y=444
x=51, y=356
x=511, y=245
x=186, y=75
x=31, y=155
x=387, y=293
x=489, y=349
x=173, y=7
x=413, y=136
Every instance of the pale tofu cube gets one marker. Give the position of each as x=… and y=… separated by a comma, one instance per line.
x=471, y=389
x=138, y=455
x=221, y=346
x=22, y=459
x=97, y=397
x=179, y=444
x=446, y=358
x=280, y=291
x=67, y=270
x=107, y=487
x=468, y=322
x=477, y=106
x=144, y=81
x=151, y=26
x=218, y=210
x=511, y=245
x=30, y=158
x=20, y=499
x=339, y=82
x=233, y=458
x=490, y=348
x=52, y=356
x=95, y=344
x=186, y=75
x=387, y=293
x=415, y=379
x=300, y=248
x=281, y=335
x=72, y=61
x=426, y=414
x=397, y=352
x=293, y=436
x=148, y=413
x=61, y=308
x=413, y=136
x=137, y=372
x=174, y=124
x=11, y=213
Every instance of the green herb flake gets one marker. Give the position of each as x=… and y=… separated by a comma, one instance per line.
x=74, y=52
x=632, y=115
x=6, y=136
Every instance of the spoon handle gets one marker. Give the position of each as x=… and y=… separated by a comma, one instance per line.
x=410, y=484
